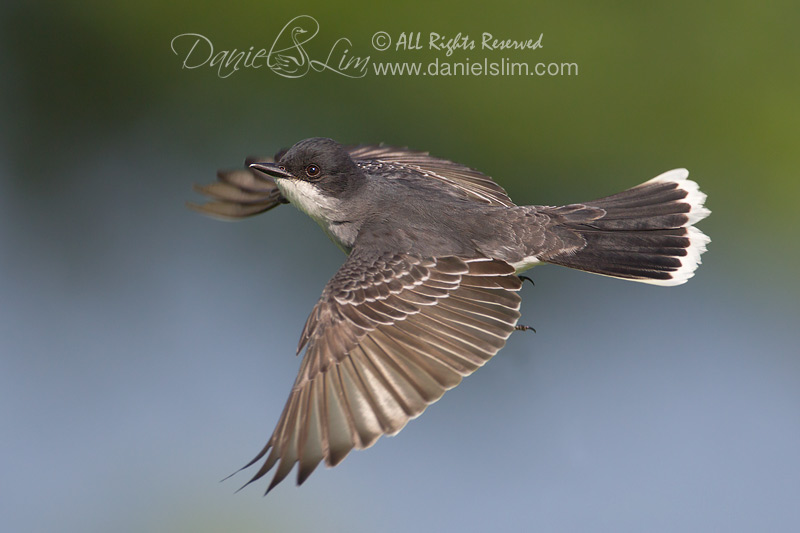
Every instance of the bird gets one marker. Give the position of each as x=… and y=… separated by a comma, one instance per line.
x=430, y=289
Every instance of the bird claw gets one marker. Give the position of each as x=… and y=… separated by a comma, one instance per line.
x=520, y=327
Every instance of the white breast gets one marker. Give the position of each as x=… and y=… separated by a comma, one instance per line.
x=323, y=209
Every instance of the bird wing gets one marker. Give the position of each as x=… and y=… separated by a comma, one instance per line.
x=467, y=181
x=390, y=334
x=240, y=193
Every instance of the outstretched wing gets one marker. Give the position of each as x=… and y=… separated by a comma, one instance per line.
x=240, y=193
x=243, y=192
x=467, y=181
x=388, y=337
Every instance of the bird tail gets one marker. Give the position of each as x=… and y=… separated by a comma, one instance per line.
x=644, y=234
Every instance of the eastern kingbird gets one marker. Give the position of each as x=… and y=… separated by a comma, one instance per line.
x=429, y=290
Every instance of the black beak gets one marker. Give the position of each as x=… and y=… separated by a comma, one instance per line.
x=271, y=169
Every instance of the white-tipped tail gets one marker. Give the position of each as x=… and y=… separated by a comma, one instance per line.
x=695, y=197
x=644, y=234
x=698, y=241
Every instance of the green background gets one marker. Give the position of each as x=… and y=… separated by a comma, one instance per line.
x=147, y=351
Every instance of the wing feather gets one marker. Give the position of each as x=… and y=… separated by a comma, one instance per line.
x=465, y=181
x=239, y=193
x=376, y=358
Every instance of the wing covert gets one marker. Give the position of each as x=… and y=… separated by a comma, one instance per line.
x=467, y=181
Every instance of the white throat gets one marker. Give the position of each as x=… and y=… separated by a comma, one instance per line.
x=323, y=209
x=308, y=199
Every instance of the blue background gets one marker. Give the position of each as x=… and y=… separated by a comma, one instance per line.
x=146, y=352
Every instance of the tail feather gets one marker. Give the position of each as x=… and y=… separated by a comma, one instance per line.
x=643, y=234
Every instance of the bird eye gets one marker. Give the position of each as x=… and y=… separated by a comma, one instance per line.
x=312, y=171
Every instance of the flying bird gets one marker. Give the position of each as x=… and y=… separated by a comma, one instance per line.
x=429, y=291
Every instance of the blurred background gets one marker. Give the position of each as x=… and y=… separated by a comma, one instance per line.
x=146, y=351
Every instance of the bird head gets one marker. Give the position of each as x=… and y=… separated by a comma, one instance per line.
x=317, y=175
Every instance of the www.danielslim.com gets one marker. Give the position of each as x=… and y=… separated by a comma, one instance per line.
x=504, y=67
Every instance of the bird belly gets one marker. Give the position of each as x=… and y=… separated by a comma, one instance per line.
x=526, y=263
